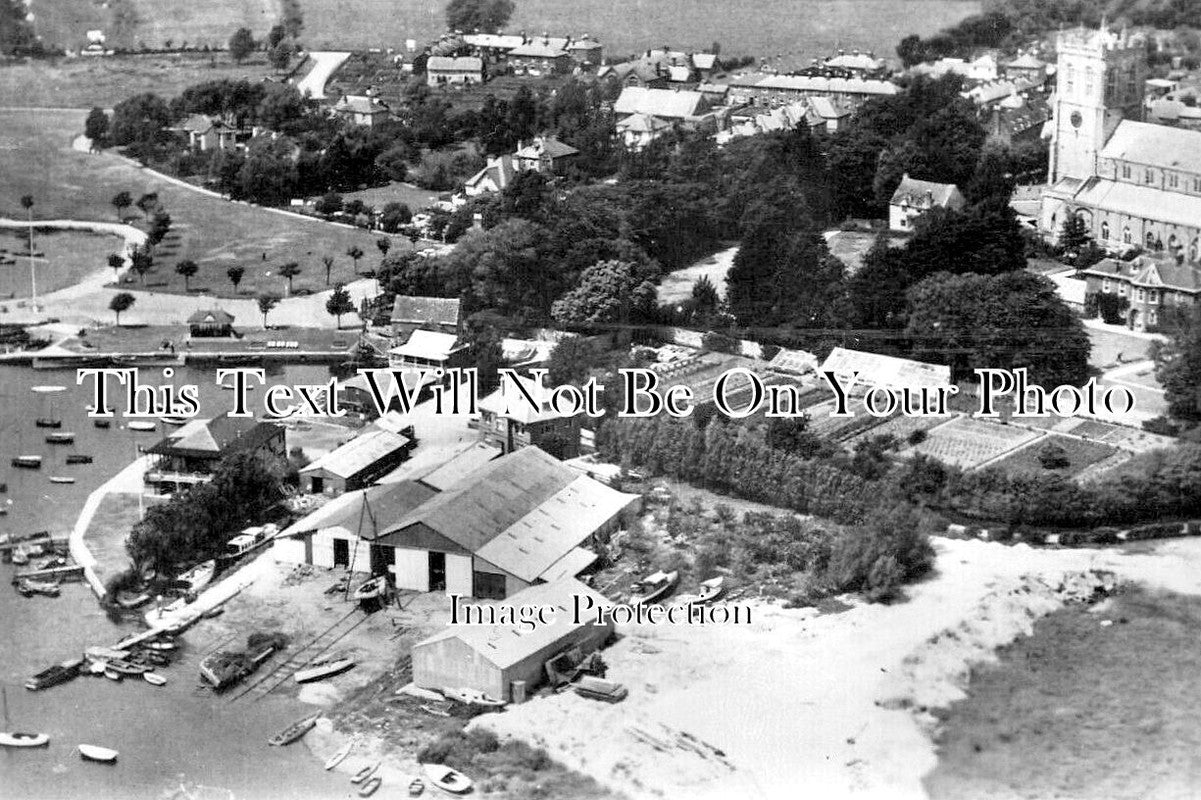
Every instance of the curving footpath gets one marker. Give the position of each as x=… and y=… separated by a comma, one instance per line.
x=121, y=483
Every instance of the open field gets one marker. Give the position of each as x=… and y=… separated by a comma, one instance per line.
x=968, y=442
x=770, y=27
x=1084, y=711
x=104, y=82
x=58, y=262
x=414, y=197
x=37, y=159
x=1080, y=455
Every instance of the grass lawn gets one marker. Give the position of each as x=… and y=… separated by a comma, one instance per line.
x=63, y=258
x=1081, y=455
x=36, y=158
x=1108, y=345
x=87, y=82
x=849, y=247
x=624, y=27
x=414, y=197
x=1065, y=708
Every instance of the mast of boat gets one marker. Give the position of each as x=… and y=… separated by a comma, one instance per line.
x=4, y=694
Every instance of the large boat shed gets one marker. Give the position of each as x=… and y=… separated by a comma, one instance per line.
x=357, y=463
x=506, y=661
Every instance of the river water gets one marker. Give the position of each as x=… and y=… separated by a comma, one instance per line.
x=167, y=736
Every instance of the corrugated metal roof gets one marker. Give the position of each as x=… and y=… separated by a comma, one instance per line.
x=561, y=523
x=491, y=498
x=459, y=467
x=364, y=512
x=506, y=645
x=358, y=454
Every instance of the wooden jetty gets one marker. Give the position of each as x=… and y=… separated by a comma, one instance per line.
x=69, y=572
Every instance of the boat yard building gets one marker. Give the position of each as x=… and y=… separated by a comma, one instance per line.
x=507, y=661
x=357, y=463
x=512, y=522
x=191, y=454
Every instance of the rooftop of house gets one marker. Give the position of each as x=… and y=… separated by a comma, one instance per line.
x=454, y=64
x=924, y=194
x=663, y=103
x=815, y=83
x=212, y=316
x=360, y=104
x=1150, y=272
x=538, y=50
x=544, y=146
x=499, y=170
x=428, y=345
x=216, y=437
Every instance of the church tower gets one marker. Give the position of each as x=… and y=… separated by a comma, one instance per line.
x=1099, y=82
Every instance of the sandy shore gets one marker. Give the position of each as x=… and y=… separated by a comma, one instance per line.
x=838, y=704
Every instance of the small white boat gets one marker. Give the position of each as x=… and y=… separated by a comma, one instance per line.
x=654, y=587
x=141, y=425
x=471, y=697
x=153, y=679
x=61, y=479
x=162, y=645
x=113, y=675
x=176, y=421
x=47, y=389
x=370, y=785
x=371, y=589
x=447, y=779
x=15, y=739
x=323, y=669
x=340, y=756
x=199, y=576
x=365, y=773
x=94, y=753
x=711, y=589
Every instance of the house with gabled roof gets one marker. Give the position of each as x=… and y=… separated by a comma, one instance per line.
x=509, y=421
x=362, y=109
x=541, y=57
x=914, y=198
x=493, y=178
x=191, y=454
x=544, y=154
x=210, y=322
x=206, y=133
x=454, y=70
x=1151, y=285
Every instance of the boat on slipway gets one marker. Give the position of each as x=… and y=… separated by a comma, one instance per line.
x=92, y=752
x=294, y=731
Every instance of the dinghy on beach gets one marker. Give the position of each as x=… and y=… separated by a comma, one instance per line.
x=447, y=779
x=340, y=756
x=93, y=752
x=15, y=739
x=293, y=732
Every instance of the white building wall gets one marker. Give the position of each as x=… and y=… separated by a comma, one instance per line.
x=458, y=575
x=323, y=549
x=289, y=550
x=412, y=569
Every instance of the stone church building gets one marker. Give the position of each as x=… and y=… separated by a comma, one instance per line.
x=1132, y=182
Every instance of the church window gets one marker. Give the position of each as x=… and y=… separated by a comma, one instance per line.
x=1071, y=78
x=1125, y=170
x=1105, y=230
x=1149, y=176
x=1088, y=81
x=1126, y=238
x=1197, y=184
x=1172, y=243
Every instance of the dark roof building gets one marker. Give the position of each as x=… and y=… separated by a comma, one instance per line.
x=191, y=454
